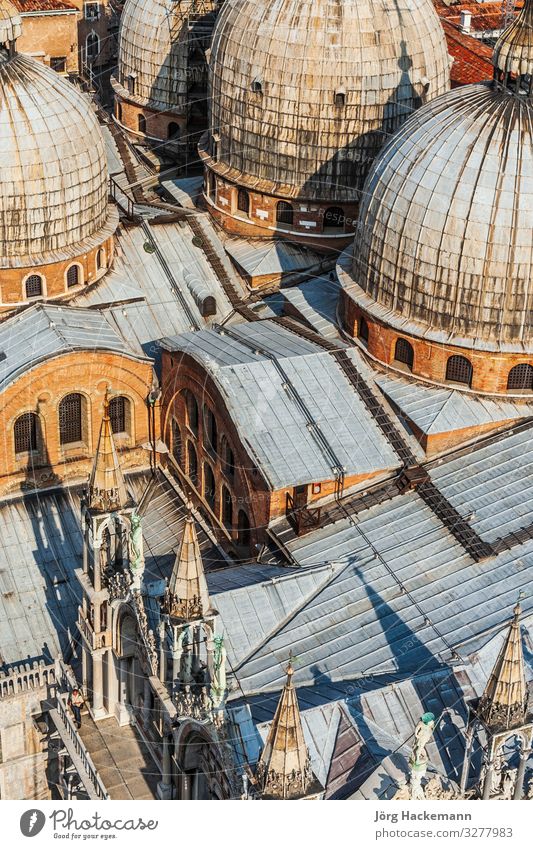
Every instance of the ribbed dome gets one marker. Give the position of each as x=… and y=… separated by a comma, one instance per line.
x=304, y=91
x=53, y=174
x=152, y=51
x=444, y=237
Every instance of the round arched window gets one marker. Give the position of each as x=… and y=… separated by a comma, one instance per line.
x=34, y=286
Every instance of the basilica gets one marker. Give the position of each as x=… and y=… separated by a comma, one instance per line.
x=266, y=377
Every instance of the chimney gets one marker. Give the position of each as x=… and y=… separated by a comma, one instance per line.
x=466, y=21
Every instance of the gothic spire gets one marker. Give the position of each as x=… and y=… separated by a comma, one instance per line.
x=107, y=490
x=284, y=768
x=513, y=52
x=187, y=597
x=503, y=705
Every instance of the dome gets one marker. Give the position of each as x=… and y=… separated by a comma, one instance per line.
x=152, y=53
x=53, y=174
x=303, y=92
x=444, y=237
x=513, y=52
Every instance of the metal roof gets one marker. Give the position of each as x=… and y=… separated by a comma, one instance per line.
x=402, y=594
x=154, y=310
x=45, y=331
x=316, y=302
x=436, y=409
x=253, y=369
x=493, y=489
x=258, y=257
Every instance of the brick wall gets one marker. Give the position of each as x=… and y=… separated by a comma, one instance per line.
x=490, y=370
x=12, y=280
x=41, y=389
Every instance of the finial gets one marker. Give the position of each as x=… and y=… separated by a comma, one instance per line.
x=290, y=668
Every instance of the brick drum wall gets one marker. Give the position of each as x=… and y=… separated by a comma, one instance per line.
x=490, y=370
x=12, y=292
x=41, y=389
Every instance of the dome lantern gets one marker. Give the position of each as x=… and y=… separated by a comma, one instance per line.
x=10, y=29
x=513, y=53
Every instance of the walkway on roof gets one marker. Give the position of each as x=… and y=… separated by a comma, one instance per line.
x=122, y=759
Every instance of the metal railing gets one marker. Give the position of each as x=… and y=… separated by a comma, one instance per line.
x=301, y=518
x=69, y=734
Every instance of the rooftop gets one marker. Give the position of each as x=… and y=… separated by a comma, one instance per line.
x=281, y=389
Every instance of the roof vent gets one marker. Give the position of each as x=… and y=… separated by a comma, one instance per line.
x=3, y=356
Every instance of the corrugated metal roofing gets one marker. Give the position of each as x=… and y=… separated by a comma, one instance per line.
x=402, y=595
x=258, y=257
x=267, y=416
x=44, y=331
x=494, y=489
x=442, y=410
x=316, y=301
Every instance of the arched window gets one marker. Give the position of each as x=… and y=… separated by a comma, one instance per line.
x=362, y=331
x=176, y=441
x=70, y=419
x=210, y=429
x=141, y=124
x=191, y=411
x=403, y=353
x=340, y=97
x=93, y=46
x=284, y=213
x=100, y=259
x=192, y=464
x=243, y=529
x=209, y=485
x=243, y=201
x=173, y=131
x=227, y=507
x=334, y=218
x=25, y=433
x=520, y=377
x=257, y=86
x=73, y=275
x=208, y=306
x=459, y=370
x=228, y=458
x=34, y=286
x=120, y=414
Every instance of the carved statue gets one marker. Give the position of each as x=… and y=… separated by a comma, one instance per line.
x=423, y=734
x=218, y=684
x=186, y=657
x=136, y=543
x=419, y=758
x=508, y=783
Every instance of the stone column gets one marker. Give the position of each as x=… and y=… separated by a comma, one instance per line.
x=466, y=760
x=162, y=654
x=121, y=712
x=98, y=686
x=487, y=785
x=146, y=703
x=519, y=785
x=164, y=787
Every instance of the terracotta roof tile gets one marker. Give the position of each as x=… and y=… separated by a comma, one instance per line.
x=43, y=6
x=471, y=58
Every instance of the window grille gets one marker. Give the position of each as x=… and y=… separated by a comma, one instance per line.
x=284, y=213
x=34, y=286
x=70, y=425
x=73, y=276
x=243, y=201
x=520, y=377
x=363, y=330
x=403, y=353
x=117, y=414
x=26, y=433
x=459, y=370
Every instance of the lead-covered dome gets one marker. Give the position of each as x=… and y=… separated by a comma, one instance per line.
x=152, y=57
x=53, y=173
x=304, y=92
x=444, y=241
